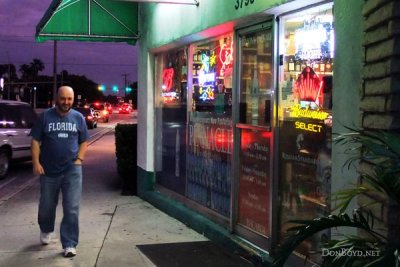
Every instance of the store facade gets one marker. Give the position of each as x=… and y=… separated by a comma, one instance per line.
x=237, y=105
x=239, y=100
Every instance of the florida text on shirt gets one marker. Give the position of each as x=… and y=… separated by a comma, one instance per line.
x=63, y=128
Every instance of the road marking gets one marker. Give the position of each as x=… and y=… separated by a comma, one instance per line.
x=22, y=187
x=6, y=183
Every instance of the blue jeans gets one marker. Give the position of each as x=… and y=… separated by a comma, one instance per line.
x=70, y=185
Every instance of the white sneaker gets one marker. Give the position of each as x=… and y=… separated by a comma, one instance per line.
x=45, y=238
x=69, y=252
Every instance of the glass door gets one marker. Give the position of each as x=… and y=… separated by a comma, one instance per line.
x=254, y=175
x=306, y=47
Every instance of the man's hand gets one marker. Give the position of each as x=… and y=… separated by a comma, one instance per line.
x=38, y=169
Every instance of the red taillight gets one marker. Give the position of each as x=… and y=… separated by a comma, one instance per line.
x=89, y=117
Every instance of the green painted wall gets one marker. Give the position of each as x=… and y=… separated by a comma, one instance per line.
x=347, y=82
x=167, y=23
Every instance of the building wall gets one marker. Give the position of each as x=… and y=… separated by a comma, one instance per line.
x=347, y=83
x=380, y=94
x=381, y=90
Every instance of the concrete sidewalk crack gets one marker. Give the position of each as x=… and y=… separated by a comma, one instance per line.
x=105, y=236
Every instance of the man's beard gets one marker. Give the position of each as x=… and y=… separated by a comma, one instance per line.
x=63, y=108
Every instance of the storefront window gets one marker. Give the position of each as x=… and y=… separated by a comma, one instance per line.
x=256, y=78
x=210, y=136
x=170, y=111
x=254, y=187
x=305, y=118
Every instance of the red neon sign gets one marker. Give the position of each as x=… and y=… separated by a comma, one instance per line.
x=225, y=56
x=168, y=75
x=309, y=86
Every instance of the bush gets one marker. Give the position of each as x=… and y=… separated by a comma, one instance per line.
x=126, y=153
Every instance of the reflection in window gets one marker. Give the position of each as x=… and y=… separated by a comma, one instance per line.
x=210, y=135
x=170, y=111
x=212, y=76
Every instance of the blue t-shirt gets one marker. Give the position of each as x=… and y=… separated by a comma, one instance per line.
x=59, y=138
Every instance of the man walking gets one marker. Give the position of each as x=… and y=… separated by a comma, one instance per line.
x=59, y=143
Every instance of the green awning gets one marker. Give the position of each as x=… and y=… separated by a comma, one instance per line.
x=89, y=20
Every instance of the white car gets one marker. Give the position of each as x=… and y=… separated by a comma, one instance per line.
x=16, y=121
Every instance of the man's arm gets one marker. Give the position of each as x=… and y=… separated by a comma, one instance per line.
x=81, y=152
x=37, y=167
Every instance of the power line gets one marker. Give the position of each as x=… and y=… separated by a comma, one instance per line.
x=81, y=64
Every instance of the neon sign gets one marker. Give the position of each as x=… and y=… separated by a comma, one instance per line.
x=298, y=112
x=309, y=86
x=207, y=94
x=207, y=77
x=168, y=94
x=167, y=75
x=310, y=127
x=315, y=39
x=226, y=57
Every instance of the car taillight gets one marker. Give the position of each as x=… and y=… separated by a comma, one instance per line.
x=105, y=112
x=89, y=117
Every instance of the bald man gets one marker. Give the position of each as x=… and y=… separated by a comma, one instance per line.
x=59, y=143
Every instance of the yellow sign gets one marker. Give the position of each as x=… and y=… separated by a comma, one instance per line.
x=311, y=127
x=298, y=112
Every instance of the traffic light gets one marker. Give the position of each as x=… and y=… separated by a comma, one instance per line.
x=128, y=89
x=101, y=87
x=115, y=88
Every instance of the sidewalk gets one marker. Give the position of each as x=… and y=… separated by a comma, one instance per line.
x=111, y=225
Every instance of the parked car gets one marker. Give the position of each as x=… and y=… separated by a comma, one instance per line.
x=16, y=121
x=90, y=116
x=101, y=111
x=125, y=108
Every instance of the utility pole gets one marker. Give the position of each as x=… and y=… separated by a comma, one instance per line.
x=9, y=77
x=55, y=72
x=125, y=81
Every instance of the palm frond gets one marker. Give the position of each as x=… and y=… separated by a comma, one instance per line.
x=307, y=228
x=344, y=197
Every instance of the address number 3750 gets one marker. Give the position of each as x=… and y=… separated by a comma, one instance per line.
x=243, y=3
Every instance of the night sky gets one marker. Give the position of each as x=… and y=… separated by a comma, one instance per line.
x=101, y=62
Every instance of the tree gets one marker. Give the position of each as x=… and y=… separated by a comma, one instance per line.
x=84, y=87
x=5, y=69
x=31, y=71
x=132, y=94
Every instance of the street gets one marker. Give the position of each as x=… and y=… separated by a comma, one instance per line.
x=21, y=176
